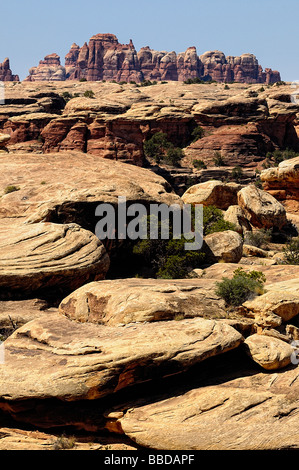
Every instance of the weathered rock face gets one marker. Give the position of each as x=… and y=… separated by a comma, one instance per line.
x=6, y=74
x=283, y=183
x=41, y=257
x=236, y=414
x=223, y=247
x=212, y=193
x=261, y=209
x=142, y=300
x=98, y=360
x=48, y=69
x=68, y=186
x=104, y=58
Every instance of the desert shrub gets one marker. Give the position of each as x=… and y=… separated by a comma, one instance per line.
x=160, y=149
x=241, y=287
x=67, y=96
x=259, y=238
x=11, y=189
x=64, y=443
x=88, y=94
x=218, y=159
x=199, y=164
x=173, y=156
x=213, y=221
x=291, y=251
x=279, y=156
x=237, y=173
x=197, y=133
x=83, y=80
x=168, y=259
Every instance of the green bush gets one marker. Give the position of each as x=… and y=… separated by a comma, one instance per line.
x=199, y=164
x=174, y=156
x=218, y=159
x=168, y=259
x=160, y=149
x=291, y=252
x=241, y=287
x=197, y=133
x=259, y=238
x=11, y=189
x=88, y=94
x=213, y=221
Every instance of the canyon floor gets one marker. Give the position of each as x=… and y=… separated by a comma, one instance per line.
x=99, y=356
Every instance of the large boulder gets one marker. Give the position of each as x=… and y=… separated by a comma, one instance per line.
x=212, y=193
x=281, y=298
x=45, y=256
x=226, y=247
x=282, y=183
x=54, y=357
x=270, y=353
x=114, y=302
x=261, y=209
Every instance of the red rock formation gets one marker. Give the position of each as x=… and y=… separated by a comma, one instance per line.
x=104, y=58
x=6, y=74
x=48, y=69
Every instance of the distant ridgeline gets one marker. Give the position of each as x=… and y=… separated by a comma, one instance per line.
x=104, y=58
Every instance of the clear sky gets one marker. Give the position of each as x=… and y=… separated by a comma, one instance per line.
x=31, y=29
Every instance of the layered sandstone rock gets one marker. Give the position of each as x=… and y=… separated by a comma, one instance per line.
x=98, y=360
x=213, y=193
x=261, y=209
x=6, y=74
x=282, y=182
x=142, y=300
x=104, y=58
x=48, y=69
x=68, y=186
x=252, y=412
x=44, y=257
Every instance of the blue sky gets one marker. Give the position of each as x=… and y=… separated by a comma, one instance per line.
x=31, y=29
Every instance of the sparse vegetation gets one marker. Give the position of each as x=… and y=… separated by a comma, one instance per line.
x=213, y=221
x=291, y=252
x=240, y=287
x=197, y=133
x=199, y=164
x=160, y=149
x=278, y=156
x=64, y=443
x=259, y=238
x=88, y=94
x=237, y=173
x=218, y=159
x=11, y=189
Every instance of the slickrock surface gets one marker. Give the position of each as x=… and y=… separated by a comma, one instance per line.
x=253, y=412
x=97, y=360
x=67, y=187
x=143, y=300
x=47, y=256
